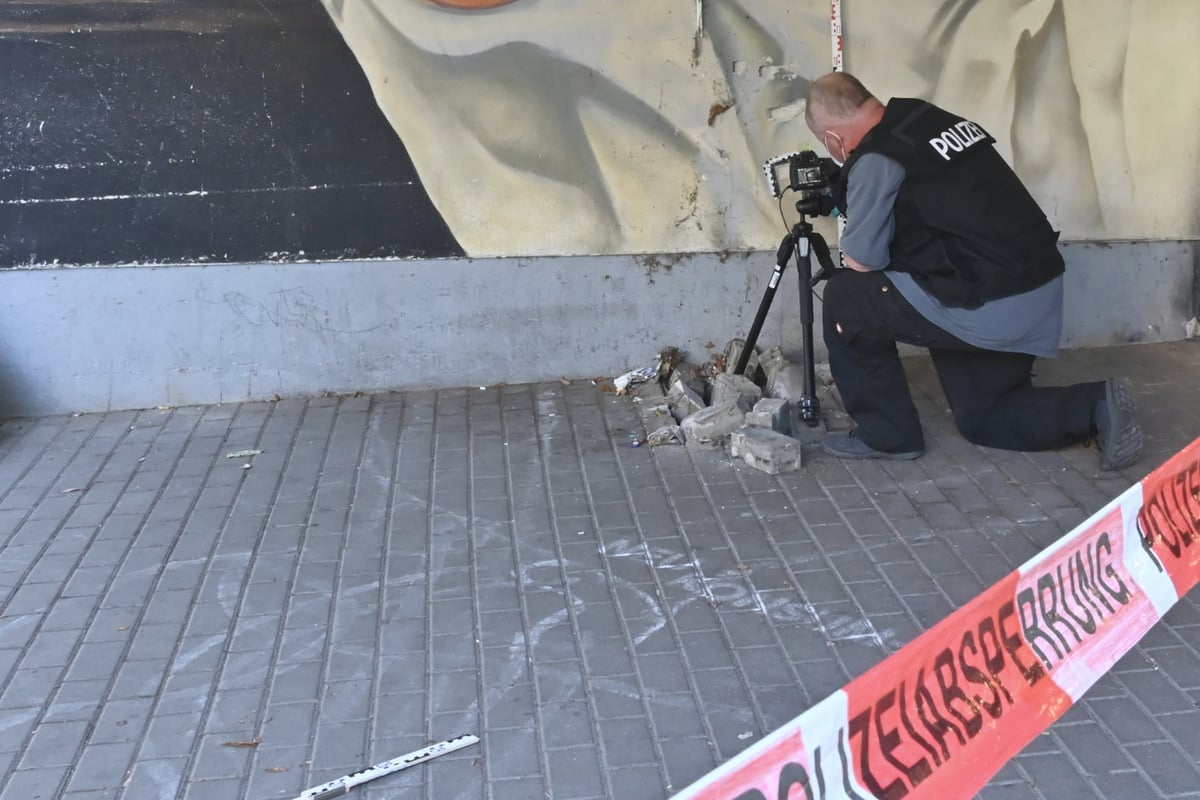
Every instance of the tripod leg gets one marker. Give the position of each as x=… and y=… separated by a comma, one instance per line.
x=810, y=406
x=759, y=318
x=786, y=247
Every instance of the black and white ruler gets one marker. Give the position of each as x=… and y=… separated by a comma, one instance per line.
x=345, y=783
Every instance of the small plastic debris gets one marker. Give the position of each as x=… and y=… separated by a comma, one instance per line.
x=1191, y=329
x=623, y=382
x=668, y=434
x=71, y=490
x=243, y=453
x=746, y=735
x=248, y=743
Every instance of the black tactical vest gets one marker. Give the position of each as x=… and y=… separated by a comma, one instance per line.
x=966, y=228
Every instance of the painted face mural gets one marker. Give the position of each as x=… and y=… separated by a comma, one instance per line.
x=564, y=127
x=471, y=4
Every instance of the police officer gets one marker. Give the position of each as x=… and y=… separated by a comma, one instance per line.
x=948, y=251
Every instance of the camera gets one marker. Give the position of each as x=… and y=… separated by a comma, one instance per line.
x=806, y=174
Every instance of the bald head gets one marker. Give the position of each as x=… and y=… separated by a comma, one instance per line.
x=834, y=99
x=840, y=111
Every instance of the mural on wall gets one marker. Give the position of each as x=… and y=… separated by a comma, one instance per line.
x=562, y=127
x=197, y=131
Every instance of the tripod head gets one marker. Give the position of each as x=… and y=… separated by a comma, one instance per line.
x=803, y=236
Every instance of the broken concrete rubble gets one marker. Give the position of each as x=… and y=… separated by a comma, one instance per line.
x=737, y=388
x=787, y=382
x=833, y=416
x=733, y=351
x=683, y=398
x=716, y=408
x=692, y=375
x=765, y=449
x=770, y=363
x=823, y=374
x=772, y=413
x=711, y=423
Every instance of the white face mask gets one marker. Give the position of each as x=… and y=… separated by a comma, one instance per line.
x=839, y=161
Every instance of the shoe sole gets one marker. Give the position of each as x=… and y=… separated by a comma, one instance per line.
x=1123, y=444
x=878, y=455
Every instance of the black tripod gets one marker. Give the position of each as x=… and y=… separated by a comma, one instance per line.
x=800, y=241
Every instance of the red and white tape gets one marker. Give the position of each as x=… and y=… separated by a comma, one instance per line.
x=940, y=717
x=839, y=65
x=835, y=34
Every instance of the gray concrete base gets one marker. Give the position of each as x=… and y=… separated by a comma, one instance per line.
x=102, y=338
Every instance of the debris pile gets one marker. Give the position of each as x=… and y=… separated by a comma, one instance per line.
x=751, y=416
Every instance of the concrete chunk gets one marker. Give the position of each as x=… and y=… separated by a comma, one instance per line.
x=833, y=415
x=683, y=399
x=738, y=388
x=733, y=351
x=787, y=383
x=823, y=373
x=766, y=450
x=771, y=361
x=709, y=424
x=786, y=379
x=772, y=413
x=690, y=374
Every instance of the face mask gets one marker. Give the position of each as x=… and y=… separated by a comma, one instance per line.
x=839, y=161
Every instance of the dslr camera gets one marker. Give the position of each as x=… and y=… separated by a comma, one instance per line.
x=806, y=174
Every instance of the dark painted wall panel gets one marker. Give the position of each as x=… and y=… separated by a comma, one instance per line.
x=197, y=130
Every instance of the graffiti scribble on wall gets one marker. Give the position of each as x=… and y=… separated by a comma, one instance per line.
x=561, y=127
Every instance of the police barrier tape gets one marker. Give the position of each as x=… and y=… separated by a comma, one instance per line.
x=941, y=716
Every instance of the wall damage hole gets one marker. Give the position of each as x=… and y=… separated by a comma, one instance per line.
x=716, y=110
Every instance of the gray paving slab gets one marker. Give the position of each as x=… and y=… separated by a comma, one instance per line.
x=612, y=621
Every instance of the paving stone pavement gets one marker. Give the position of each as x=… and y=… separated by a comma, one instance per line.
x=611, y=621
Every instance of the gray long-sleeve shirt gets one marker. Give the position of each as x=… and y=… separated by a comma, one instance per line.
x=1030, y=322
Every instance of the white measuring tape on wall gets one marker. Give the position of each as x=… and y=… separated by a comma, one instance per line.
x=835, y=32
x=839, y=65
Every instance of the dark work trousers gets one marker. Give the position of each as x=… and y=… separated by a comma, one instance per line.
x=990, y=393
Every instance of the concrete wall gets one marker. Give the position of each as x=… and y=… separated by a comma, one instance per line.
x=91, y=339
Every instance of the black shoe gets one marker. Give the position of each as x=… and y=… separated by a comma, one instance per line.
x=848, y=445
x=1118, y=434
